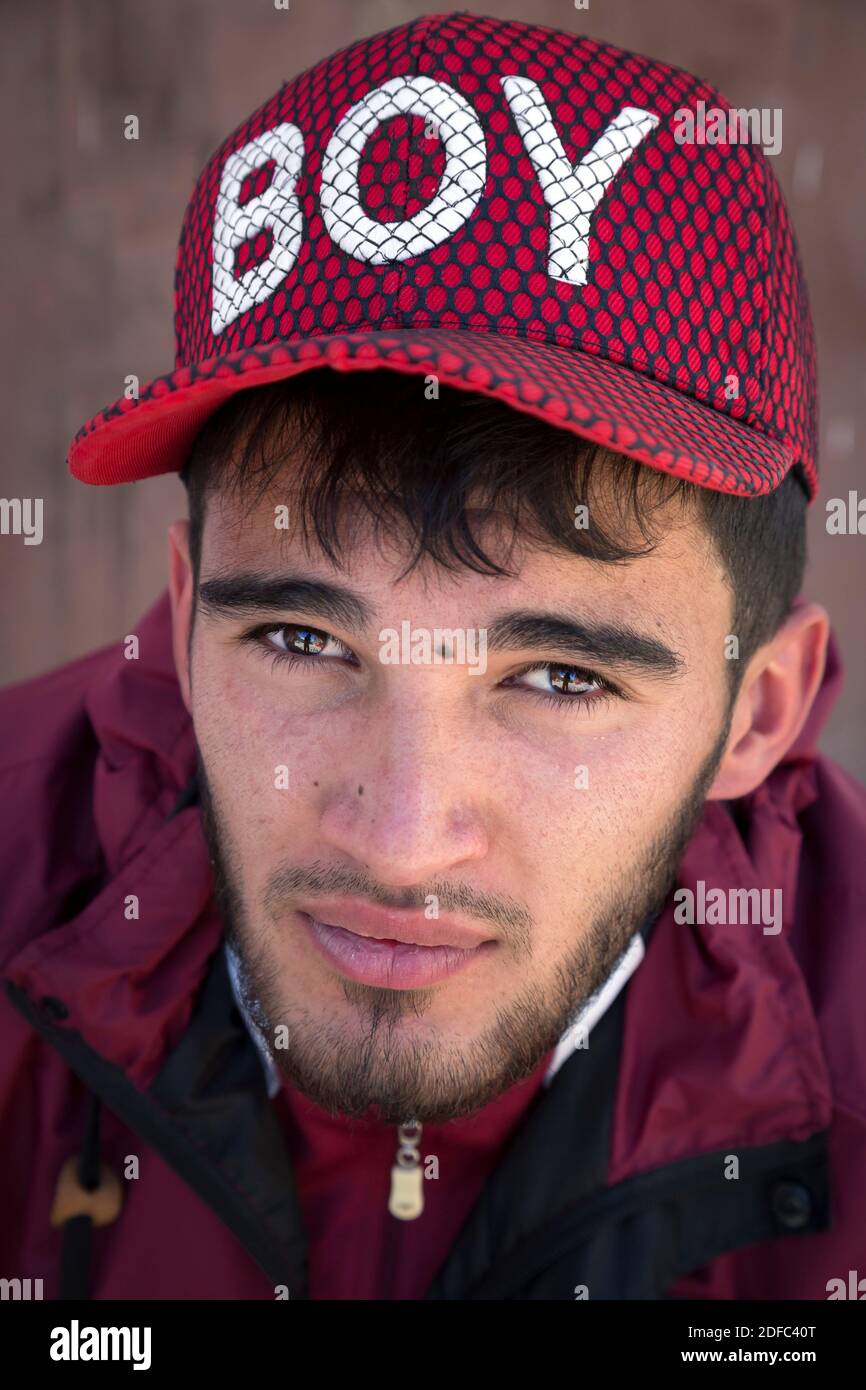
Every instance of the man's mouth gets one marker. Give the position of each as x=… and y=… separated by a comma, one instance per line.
x=393, y=948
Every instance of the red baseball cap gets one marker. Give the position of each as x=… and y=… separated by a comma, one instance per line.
x=519, y=212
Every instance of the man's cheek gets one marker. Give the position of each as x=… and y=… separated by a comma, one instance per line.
x=238, y=723
x=261, y=763
x=612, y=780
x=600, y=828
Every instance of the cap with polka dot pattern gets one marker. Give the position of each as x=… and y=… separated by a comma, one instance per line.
x=520, y=212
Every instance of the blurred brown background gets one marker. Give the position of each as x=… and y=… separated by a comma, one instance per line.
x=90, y=225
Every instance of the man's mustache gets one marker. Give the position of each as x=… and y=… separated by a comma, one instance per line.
x=510, y=917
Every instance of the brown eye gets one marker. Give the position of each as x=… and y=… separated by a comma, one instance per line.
x=558, y=680
x=306, y=641
x=569, y=681
x=290, y=641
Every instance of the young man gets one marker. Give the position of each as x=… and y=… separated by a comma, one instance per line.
x=439, y=894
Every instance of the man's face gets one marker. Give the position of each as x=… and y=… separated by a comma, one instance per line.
x=426, y=866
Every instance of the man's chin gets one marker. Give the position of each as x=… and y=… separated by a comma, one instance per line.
x=416, y=1055
x=398, y=1055
x=397, y=1069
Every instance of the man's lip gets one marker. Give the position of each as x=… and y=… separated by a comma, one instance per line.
x=407, y=925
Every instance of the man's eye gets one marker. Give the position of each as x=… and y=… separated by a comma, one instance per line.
x=559, y=679
x=287, y=640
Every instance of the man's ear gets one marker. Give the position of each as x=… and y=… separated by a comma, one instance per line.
x=773, y=702
x=181, y=591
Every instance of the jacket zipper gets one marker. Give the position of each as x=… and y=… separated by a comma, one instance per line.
x=406, y=1200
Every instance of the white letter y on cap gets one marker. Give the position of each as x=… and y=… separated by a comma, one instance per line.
x=572, y=194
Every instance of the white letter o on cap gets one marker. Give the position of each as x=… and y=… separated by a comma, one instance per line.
x=459, y=191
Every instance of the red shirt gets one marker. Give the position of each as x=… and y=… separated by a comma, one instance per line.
x=357, y=1249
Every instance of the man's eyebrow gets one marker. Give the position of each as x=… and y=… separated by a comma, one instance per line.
x=613, y=644
x=247, y=594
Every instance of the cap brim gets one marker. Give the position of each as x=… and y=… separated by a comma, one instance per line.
x=599, y=400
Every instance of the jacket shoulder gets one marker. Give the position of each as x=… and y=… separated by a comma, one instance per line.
x=48, y=842
x=830, y=930
x=43, y=718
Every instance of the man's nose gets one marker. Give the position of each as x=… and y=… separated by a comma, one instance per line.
x=412, y=807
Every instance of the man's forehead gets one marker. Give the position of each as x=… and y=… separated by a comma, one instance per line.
x=266, y=536
x=243, y=512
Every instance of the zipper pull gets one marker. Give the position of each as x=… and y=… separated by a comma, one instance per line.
x=407, y=1180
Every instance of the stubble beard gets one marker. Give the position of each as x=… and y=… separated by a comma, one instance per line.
x=382, y=1070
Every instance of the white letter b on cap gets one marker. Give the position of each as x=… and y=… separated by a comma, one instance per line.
x=277, y=210
x=459, y=191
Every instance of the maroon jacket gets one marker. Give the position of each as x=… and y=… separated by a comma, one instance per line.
x=120, y=1040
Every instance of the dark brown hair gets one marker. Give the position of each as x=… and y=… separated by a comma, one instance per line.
x=375, y=438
